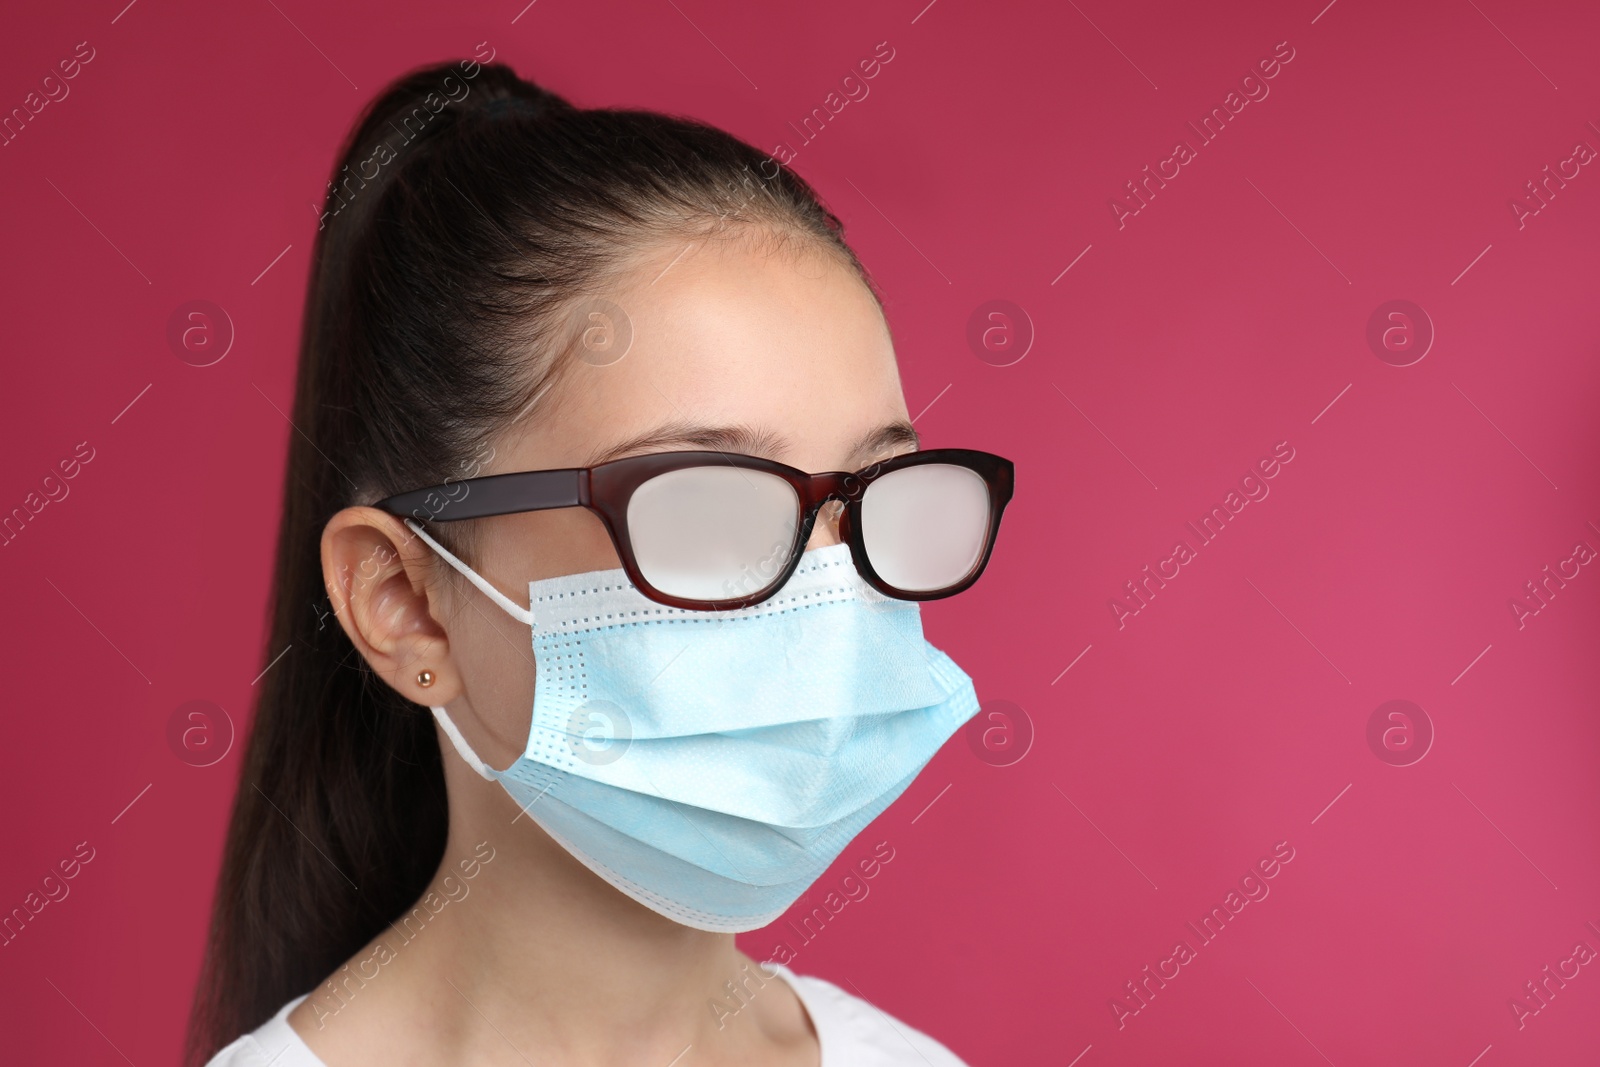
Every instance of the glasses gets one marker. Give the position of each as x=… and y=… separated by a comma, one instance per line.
x=713, y=531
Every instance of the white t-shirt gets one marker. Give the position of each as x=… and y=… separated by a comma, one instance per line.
x=850, y=1032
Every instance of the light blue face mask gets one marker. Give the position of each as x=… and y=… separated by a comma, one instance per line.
x=711, y=765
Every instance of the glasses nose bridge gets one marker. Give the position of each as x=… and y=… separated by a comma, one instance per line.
x=830, y=485
x=818, y=491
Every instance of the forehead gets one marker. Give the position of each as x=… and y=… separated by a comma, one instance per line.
x=788, y=342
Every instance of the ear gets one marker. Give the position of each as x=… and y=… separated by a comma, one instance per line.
x=382, y=582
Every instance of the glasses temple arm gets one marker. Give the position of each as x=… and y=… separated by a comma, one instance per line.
x=495, y=494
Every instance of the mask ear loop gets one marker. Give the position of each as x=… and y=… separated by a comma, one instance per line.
x=464, y=750
x=521, y=614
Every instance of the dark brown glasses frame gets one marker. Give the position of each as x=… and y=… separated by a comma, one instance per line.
x=606, y=490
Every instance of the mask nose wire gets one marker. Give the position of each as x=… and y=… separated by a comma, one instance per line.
x=511, y=607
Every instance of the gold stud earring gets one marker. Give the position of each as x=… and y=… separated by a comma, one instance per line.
x=425, y=679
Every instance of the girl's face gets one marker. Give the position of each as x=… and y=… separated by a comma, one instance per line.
x=781, y=354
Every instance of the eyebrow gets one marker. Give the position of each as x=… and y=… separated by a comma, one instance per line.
x=748, y=440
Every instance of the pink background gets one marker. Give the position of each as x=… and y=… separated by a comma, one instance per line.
x=1229, y=314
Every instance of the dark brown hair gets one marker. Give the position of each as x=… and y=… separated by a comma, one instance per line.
x=469, y=212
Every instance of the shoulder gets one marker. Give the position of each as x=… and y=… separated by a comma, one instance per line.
x=853, y=1032
x=273, y=1043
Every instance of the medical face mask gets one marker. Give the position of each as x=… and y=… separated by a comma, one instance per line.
x=711, y=765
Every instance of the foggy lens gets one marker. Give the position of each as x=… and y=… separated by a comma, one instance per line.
x=924, y=527
x=712, y=533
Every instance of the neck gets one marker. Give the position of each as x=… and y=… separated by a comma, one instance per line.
x=518, y=953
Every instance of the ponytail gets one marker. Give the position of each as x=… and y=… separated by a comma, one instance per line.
x=468, y=212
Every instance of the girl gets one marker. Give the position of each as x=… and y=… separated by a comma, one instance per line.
x=612, y=379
